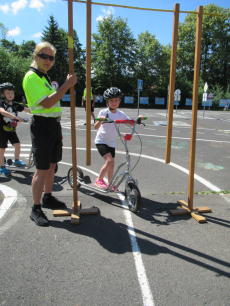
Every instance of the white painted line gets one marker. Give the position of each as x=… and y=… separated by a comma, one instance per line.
x=221, y=135
x=197, y=177
x=141, y=274
x=209, y=140
x=142, y=278
x=10, y=197
x=22, y=149
x=22, y=145
x=12, y=155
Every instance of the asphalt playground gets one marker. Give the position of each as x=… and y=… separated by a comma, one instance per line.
x=117, y=257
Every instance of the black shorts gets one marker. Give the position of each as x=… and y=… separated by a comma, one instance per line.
x=5, y=136
x=46, y=138
x=92, y=108
x=104, y=149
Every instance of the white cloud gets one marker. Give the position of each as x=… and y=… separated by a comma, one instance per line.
x=50, y=0
x=14, y=32
x=5, y=8
x=39, y=34
x=37, y=4
x=107, y=12
x=99, y=18
x=20, y=4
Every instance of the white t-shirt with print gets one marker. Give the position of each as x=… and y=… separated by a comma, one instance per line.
x=107, y=132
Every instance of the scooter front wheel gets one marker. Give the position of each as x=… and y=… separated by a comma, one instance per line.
x=70, y=176
x=133, y=197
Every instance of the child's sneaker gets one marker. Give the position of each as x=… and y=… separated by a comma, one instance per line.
x=115, y=189
x=5, y=172
x=101, y=183
x=19, y=163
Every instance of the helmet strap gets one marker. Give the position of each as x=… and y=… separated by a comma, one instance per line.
x=110, y=108
x=6, y=100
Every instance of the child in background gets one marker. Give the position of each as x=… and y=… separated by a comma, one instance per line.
x=107, y=134
x=8, y=122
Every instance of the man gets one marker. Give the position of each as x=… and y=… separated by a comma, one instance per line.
x=92, y=102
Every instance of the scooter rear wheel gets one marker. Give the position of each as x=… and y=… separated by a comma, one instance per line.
x=133, y=197
x=70, y=176
x=31, y=160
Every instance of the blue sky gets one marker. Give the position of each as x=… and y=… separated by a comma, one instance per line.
x=26, y=19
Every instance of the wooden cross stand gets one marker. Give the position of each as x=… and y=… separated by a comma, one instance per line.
x=76, y=211
x=186, y=208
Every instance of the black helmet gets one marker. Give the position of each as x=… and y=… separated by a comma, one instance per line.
x=112, y=92
x=8, y=86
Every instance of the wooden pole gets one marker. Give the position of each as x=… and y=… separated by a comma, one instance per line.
x=195, y=107
x=88, y=83
x=144, y=8
x=188, y=208
x=72, y=105
x=172, y=82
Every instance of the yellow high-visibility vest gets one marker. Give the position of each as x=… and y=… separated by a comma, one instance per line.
x=84, y=96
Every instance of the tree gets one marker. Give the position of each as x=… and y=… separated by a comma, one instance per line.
x=13, y=69
x=10, y=45
x=79, y=65
x=3, y=31
x=59, y=38
x=26, y=49
x=113, y=51
x=215, y=47
x=152, y=65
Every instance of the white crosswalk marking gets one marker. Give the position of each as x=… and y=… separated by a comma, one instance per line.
x=67, y=124
x=24, y=148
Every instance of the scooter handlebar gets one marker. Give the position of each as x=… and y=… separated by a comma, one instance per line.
x=120, y=121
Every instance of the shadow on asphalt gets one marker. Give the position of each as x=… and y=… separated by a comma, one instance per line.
x=158, y=212
x=114, y=237
x=25, y=178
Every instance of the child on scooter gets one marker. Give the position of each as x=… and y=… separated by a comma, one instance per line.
x=8, y=122
x=106, y=135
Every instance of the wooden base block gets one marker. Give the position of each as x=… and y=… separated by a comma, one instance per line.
x=62, y=212
x=175, y=212
x=198, y=217
x=195, y=212
x=75, y=218
x=75, y=212
x=203, y=209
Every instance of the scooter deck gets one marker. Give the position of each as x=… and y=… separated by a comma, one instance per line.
x=7, y=175
x=12, y=166
x=87, y=181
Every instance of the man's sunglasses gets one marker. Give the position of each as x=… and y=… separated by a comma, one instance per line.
x=45, y=56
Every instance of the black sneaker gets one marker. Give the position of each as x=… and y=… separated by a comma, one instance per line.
x=39, y=217
x=52, y=203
